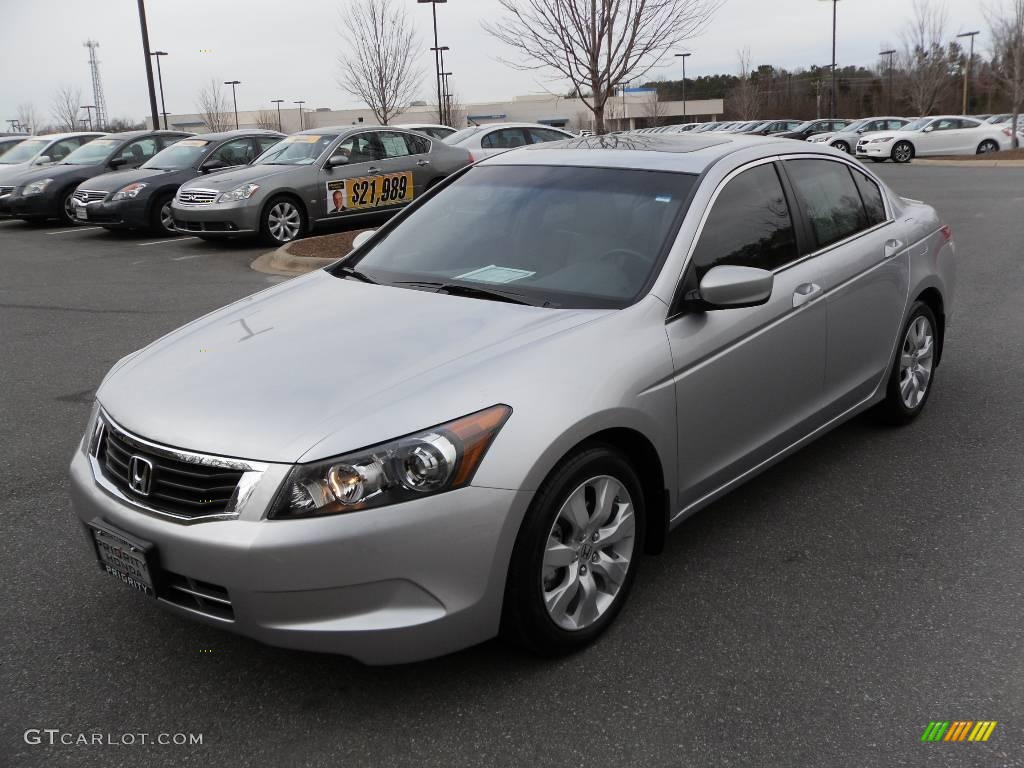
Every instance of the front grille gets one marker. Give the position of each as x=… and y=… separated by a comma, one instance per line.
x=6, y=190
x=181, y=488
x=89, y=196
x=197, y=196
x=201, y=596
x=205, y=226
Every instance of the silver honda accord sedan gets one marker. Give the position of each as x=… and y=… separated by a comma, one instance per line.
x=479, y=419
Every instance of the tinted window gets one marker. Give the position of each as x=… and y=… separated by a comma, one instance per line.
x=895, y=125
x=394, y=144
x=138, y=152
x=574, y=237
x=235, y=152
x=506, y=138
x=57, y=152
x=436, y=133
x=947, y=124
x=541, y=135
x=266, y=142
x=750, y=225
x=183, y=154
x=361, y=148
x=829, y=197
x=417, y=144
x=871, y=196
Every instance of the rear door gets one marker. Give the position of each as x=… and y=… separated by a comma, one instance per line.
x=407, y=153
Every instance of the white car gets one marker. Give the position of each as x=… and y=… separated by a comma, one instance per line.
x=433, y=130
x=926, y=136
x=846, y=139
x=494, y=138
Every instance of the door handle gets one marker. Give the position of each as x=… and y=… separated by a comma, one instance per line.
x=373, y=169
x=804, y=293
x=422, y=162
x=892, y=247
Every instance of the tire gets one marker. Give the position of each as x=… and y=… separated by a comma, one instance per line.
x=283, y=220
x=160, y=221
x=902, y=152
x=915, y=359
x=545, y=571
x=987, y=146
x=842, y=146
x=67, y=211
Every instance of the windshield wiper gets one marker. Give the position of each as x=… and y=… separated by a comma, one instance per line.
x=471, y=291
x=353, y=272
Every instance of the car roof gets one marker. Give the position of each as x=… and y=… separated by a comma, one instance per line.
x=238, y=133
x=71, y=135
x=407, y=126
x=679, y=153
x=122, y=135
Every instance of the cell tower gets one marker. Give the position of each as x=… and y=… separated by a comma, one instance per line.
x=97, y=85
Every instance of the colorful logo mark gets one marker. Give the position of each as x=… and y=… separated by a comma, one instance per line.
x=958, y=730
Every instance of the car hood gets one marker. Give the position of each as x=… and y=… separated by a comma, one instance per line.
x=58, y=173
x=269, y=377
x=14, y=170
x=115, y=180
x=822, y=136
x=227, y=180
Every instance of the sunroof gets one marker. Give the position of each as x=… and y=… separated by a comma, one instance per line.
x=645, y=142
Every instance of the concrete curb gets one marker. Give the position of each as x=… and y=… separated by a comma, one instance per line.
x=282, y=262
x=972, y=163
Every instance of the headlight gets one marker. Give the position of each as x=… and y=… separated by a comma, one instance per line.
x=243, y=192
x=881, y=140
x=435, y=460
x=816, y=139
x=129, y=192
x=36, y=187
x=92, y=431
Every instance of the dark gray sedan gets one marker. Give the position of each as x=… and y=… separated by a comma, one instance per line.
x=141, y=198
x=313, y=178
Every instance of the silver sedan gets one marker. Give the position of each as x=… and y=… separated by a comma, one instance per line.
x=480, y=418
x=314, y=179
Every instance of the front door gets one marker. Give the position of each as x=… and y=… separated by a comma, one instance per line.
x=343, y=187
x=748, y=381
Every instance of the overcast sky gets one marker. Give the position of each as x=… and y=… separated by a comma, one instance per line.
x=288, y=49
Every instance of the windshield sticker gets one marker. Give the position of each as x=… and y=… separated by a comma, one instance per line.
x=495, y=274
x=663, y=199
x=336, y=198
x=192, y=143
x=303, y=139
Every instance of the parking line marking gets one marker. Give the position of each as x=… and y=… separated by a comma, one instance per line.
x=171, y=240
x=192, y=256
x=73, y=229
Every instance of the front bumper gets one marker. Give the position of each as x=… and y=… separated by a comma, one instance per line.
x=384, y=586
x=224, y=219
x=123, y=214
x=874, y=150
x=32, y=207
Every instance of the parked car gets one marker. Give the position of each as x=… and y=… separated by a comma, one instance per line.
x=9, y=142
x=846, y=139
x=48, y=193
x=926, y=136
x=35, y=152
x=313, y=178
x=707, y=127
x=432, y=130
x=141, y=198
x=777, y=126
x=807, y=129
x=481, y=417
x=487, y=140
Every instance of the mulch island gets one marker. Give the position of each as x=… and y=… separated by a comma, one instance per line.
x=325, y=246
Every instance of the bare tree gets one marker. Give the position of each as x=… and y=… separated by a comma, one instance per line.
x=654, y=110
x=597, y=44
x=28, y=118
x=1007, y=26
x=745, y=97
x=266, y=119
x=379, y=62
x=213, y=107
x=65, y=105
x=924, y=60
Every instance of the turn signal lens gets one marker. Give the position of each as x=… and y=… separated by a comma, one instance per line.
x=947, y=233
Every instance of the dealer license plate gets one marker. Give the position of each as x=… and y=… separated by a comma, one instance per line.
x=124, y=557
x=81, y=212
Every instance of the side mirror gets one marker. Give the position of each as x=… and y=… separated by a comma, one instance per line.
x=929, y=129
x=116, y=162
x=360, y=240
x=730, y=287
x=212, y=165
x=335, y=160
x=43, y=160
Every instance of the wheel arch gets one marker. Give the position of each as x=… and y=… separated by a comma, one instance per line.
x=290, y=193
x=932, y=298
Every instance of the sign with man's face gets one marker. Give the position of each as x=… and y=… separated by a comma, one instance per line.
x=336, y=202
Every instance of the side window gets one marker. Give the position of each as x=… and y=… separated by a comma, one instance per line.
x=946, y=125
x=871, y=195
x=968, y=123
x=62, y=149
x=394, y=144
x=266, y=142
x=138, y=152
x=750, y=225
x=895, y=125
x=237, y=152
x=542, y=135
x=417, y=145
x=830, y=198
x=361, y=148
x=506, y=138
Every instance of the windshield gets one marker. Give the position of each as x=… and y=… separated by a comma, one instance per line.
x=804, y=126
x=22, y=151
x=94, y=152
x=552, y=236
x=184, y=154
x=462, y=135
x=917, y=125
x=300, y=149
x=856, y=125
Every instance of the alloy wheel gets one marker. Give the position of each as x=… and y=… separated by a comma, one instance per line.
x=69, y=206
x=284, y=221
x=588, y=552
x=987, y=146
x=916, y=362
x=166, y=218
x=902, y=153
x=842, y=146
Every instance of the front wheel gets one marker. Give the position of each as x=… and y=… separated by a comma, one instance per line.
x=282, y=221
x=903, y=152
x=987, y=146
x=161, y=221
x=575, y=557
x=842, y=146
x=913, y=370
x=67, y=206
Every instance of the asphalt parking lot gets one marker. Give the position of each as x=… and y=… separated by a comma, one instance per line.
x=821, y=615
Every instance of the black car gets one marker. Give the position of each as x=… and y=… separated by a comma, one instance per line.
x=141, y=198
x=47, y=193
x=805, y=130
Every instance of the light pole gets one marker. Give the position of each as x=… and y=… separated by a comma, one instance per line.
x=437, y=52
x=890, y=53
x=234, y=97
x=88, y=111
x=300, y=103
x=684, y=56
x=160, y=79
x=967, y=69
x=444, y=95
x=149, y=65
x=832, y=97
x=278, y=102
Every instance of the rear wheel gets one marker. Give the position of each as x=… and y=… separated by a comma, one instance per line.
x=161, y=222
x=575, y=557
x=282, y=221
x=987, y=146
x=913, y=370
x=903, y=152
x=842, y=146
